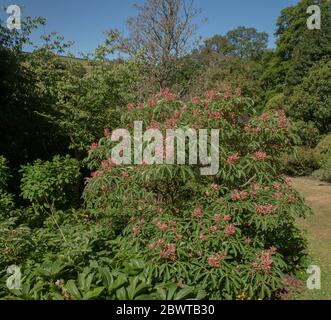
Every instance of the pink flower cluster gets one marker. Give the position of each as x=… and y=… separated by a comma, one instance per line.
x=213, y=229
x=252, y=130
x=233, y=158
x=154, y=125
x=260, y=156
x=217, y=217
x=93, y=146
x=227, y=218
x=125, y=175
x=217, y=115
x=106, y=164
x=195, y=112
x=96, y=174
x=256, y=187
x=130, y=107
x=237, y=195
x=136, y=230
x=214, y=186
x=167, y=95
x=282, y=119
x=172, y=122
x=291, y=198
x=277, y=186
x=248, y=241
x=197, y=213
x=230, y=230
x=202, y=237
x=214, y=261
x=140, y=106
x=166, y=251
x=196, y=100
x=152, y=101
x=265, y=209
x=169, y=252
x=228, y=92
x=162, y=226
x=210, y=95
x=264, y=117
x=289, y=182
x=278, y=196
x=265, y=260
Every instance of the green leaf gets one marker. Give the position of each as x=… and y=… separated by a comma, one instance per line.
x=121, y=294
x=73, y=290
x=95, y=293
x=184, y=293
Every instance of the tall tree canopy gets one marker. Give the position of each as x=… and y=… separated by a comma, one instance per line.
x=242, y=42
x=298, y=47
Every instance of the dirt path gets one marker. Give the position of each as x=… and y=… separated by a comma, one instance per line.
x=318, y=229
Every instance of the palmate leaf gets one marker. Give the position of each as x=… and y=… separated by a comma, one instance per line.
x=121, y=294
x=119, y=281
x=182, y=294
x=73, y=290
x=93, y=294
x=52, y=269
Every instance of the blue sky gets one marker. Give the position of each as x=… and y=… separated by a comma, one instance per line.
x=84, y=21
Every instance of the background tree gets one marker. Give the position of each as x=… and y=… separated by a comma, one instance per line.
x=163, y=31
x=311, y=100
x=83, y=96
x=242, y=42
x=298, y=47
x=219, y=44
x=25, y=135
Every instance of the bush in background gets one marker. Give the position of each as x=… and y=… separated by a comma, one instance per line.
x=302, y=162
x=323, y=150
x=324, y=173
x=6, y=199
x=51, y=183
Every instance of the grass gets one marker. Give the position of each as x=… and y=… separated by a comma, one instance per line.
x=318, y=231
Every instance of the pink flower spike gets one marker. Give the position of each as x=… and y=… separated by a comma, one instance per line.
x=136, y=230
x=233, y=158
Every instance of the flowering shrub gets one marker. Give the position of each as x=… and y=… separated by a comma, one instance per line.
x=231, y=234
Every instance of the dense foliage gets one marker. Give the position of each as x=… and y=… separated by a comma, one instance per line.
x=230, y=235
x=52, y=183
